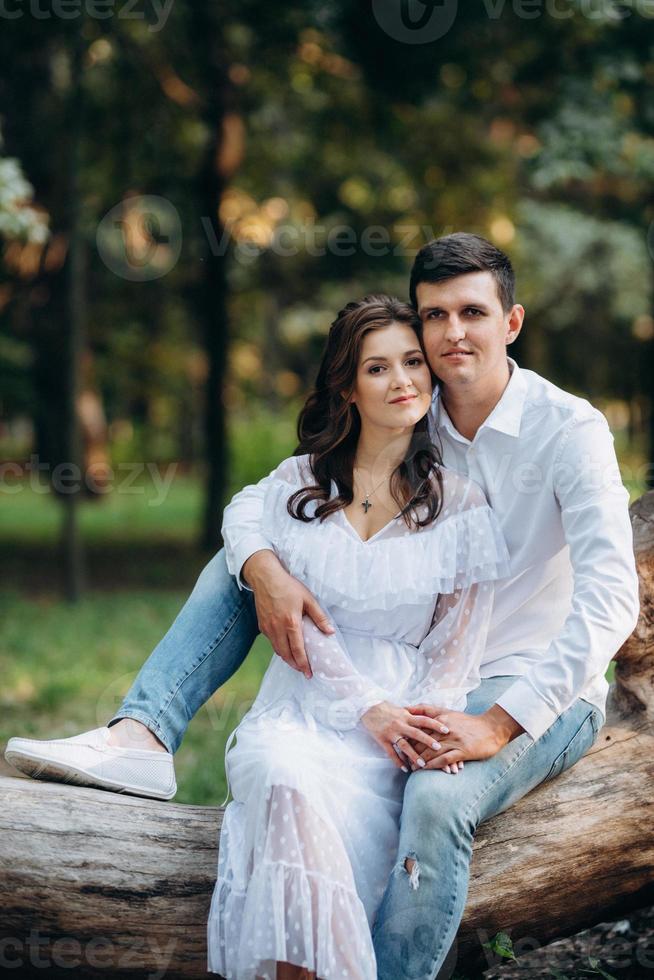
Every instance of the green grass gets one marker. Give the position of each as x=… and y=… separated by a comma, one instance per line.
x=146, y=503
x=136, y=513
x=65, y=669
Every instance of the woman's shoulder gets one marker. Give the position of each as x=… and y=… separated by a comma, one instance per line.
x=294, y=469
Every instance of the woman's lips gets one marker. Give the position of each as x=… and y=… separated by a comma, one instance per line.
x=409, y=398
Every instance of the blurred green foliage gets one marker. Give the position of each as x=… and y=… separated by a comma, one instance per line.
x=342, y=150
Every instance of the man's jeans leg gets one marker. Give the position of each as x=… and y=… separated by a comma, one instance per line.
x=418, y=919
x=206, y=644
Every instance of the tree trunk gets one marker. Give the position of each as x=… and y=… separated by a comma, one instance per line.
x=120, y=885
x=72, y=491
x=211, y=292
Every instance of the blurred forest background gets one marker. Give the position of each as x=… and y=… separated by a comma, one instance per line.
x=186, y=201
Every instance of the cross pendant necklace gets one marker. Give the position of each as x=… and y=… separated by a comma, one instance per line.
x=366, y=503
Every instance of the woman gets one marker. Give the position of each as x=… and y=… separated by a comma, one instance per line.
x=400, y=552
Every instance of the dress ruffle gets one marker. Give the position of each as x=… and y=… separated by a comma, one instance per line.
x=282, y=912
x=387, y=572
x=241, y=934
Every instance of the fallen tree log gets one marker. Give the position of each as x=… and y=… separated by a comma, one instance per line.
x=117, y=885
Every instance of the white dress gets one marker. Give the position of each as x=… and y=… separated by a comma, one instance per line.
x=310, y=837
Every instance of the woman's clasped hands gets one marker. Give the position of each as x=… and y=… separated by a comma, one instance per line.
x=406, y=735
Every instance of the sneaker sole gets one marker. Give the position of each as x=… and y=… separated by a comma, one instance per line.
x=51, y=771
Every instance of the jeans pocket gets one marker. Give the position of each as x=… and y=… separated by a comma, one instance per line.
x=578, y=745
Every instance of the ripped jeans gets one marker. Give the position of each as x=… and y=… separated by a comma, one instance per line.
x=416, y=924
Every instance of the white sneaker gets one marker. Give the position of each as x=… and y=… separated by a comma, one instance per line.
x=87, y=760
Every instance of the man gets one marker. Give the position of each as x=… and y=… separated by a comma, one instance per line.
x=546, y=461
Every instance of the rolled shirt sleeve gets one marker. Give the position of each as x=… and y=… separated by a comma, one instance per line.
x=241, y=527
x=604, y=609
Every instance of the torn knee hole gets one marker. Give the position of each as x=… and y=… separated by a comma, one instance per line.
x=412, y=868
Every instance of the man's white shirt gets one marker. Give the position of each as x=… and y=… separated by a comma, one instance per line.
x=546, y=462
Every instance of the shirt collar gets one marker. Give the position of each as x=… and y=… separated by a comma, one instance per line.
x=505, y=417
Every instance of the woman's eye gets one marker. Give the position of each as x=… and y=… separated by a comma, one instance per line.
x=373, y=370
x=415, y=360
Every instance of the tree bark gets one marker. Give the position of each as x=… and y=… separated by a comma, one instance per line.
x=120, y=885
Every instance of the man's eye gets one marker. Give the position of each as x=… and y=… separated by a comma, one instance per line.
x=474, y=311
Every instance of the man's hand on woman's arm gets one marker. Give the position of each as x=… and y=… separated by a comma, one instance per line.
x=281, y=602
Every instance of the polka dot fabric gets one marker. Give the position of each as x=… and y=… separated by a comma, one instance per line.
x=310, y=837
x=399, y=565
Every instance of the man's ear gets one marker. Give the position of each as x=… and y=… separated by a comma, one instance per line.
x=515, y=321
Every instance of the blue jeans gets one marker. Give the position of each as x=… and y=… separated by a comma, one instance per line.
x=415, y=927
x=204, y=647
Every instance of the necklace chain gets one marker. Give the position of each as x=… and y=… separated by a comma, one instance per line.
x=366, y=503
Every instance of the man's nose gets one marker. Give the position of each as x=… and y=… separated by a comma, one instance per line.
x=455, y=330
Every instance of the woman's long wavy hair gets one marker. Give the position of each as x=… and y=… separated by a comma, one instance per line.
x=329, y=424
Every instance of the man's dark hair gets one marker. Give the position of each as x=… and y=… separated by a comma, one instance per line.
x=454, y=255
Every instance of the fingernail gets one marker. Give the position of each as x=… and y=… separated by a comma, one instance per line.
x=445, y=730
x=308, y=675
x=447, y=768
x=404, y=769
x=421, y=763
x=435, y=745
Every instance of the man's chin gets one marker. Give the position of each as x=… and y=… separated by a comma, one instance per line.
x=460, y=375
